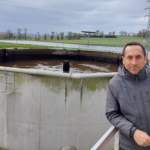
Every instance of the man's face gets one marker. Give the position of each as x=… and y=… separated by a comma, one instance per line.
x=134, y=59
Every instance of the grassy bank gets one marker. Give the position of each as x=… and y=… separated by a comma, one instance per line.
x=14, y=45
x=120, y=41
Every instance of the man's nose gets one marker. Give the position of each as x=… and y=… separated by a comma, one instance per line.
x=134, y=62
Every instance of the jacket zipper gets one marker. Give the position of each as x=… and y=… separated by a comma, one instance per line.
x=138, y=109
x=148, y=97
x=147, y=126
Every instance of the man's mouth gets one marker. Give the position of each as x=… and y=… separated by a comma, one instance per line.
x=134, y=67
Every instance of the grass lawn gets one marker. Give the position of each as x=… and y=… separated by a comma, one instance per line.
x=14, y=45
x=120, y=41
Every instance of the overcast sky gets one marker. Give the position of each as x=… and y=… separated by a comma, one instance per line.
x=45, y=16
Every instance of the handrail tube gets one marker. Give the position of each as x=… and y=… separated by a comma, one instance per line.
x=105, y=139
x=58, y=74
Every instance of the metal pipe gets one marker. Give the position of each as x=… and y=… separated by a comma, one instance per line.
x=58, y=74
x=105, y=139
x=116, y=142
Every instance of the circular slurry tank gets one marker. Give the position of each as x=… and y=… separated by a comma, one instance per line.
x=52, y=60
x=42, y=108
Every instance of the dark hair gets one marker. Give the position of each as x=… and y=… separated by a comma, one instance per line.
x=134, y=43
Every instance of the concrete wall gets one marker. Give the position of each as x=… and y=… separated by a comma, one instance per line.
x=47, y=113
x=25, y=54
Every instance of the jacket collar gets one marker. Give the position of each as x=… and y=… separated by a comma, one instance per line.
x=141, y=75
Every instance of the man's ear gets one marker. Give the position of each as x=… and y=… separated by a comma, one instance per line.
x=145, y=58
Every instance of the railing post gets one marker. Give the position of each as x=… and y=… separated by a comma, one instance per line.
x=105, y=139
x=116, y=141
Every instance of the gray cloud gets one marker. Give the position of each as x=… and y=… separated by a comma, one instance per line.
x=65, y=15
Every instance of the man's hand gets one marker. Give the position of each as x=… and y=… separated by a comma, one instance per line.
x=141, y=138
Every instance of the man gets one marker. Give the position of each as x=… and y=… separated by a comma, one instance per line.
x=128, y=99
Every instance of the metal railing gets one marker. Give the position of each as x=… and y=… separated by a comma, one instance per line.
x=58, y=74
x=106, y=138
x=8, y=82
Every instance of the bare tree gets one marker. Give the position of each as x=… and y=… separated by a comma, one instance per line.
x=3, y=36
x=133, y=34
x=144, y=33
x=62, y=35
x=69, y=35
x=113, y=32
x=125, y=33
x=110, y=33
x=9, y=34
x=78, y=36
x=19, y=33
x=25, y=33
x=147, y=34
x=45, y=36
x=139, y=34
x=52, y=36
x=35, y=37
x=73, y=36
x=58, y=37
x=53, y=32
x=101, y=33
x=121, y=32
x=38, y=36
x=97, y=32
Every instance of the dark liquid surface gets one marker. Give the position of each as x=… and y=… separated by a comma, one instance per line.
x=57, y=65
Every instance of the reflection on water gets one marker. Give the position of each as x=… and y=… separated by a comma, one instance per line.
x=57, y=65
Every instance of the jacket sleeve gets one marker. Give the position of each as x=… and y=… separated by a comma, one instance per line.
x=114, y=115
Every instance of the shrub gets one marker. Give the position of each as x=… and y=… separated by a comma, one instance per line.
x=110, y=36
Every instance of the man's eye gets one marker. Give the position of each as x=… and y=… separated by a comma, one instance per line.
x=129, y=57
x=138, y=57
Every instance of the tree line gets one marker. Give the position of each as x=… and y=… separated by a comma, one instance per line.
x=70, y=35
x=9, y=34
x=142, y=33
